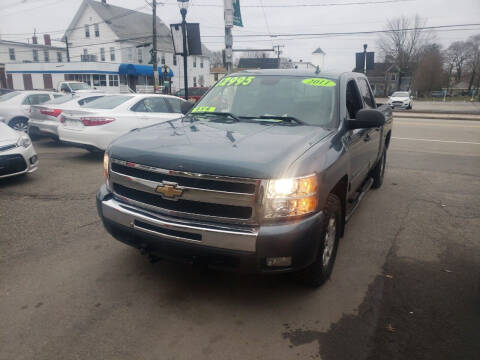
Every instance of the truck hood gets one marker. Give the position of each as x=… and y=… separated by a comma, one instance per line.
x=240, y=149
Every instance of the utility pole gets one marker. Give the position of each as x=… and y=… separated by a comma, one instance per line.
x=365, y=59
x=68, y=51
x=228, y=16
x=154, y=44
x=278, y=50
x=183, y=12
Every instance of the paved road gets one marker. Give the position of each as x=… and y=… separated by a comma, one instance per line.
x=405, y=284
x=458, y=107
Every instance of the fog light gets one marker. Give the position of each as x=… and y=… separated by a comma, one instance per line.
x=33, y=159
x=279, y=261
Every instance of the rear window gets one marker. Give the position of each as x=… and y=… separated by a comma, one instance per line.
x=88, y=99
x=108, y=102
x=60, y=100
x=9, y=95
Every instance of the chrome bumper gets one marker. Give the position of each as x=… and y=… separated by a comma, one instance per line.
x=125, y=215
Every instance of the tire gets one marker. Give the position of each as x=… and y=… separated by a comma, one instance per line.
x=378, y=172
x=409, y=107
x=19, y=124
x=320, y=270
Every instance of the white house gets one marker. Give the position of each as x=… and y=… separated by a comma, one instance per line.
x=18, y=52
x=318, y=58
x=101, y=33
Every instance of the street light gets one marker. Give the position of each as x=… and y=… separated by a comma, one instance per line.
x=183, y=5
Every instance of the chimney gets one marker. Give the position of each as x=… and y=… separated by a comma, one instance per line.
x=47, y=40
x=34, y=40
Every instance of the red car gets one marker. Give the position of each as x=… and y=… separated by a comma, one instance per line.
x=194, y=93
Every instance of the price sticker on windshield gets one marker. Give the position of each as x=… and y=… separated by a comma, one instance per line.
x=204, y=109
x=236, y=81
x=319, y=82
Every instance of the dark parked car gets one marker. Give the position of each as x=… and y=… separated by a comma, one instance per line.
x=194, y=93
x=261, y=175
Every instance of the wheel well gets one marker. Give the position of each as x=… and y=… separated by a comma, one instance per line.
x=387, y=139
x=18, y=117
x=340, y=189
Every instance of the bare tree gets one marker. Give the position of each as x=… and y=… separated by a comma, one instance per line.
x=429, y=70
x=457, y=56
x=403, y=40
x=473, y=62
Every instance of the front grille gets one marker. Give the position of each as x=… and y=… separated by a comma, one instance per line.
x=11, y=164
x=238, y=187
x=398, y=103
x=184, y=206
x=7, y=147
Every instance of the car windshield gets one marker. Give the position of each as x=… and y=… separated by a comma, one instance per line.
x=108, y=102
x=9, y=95
x=311, y=100
x=60, y=100
x=400, y=94
x=79, y=86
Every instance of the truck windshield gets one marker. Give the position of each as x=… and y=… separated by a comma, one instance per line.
x=312, y=100
x=79, y=86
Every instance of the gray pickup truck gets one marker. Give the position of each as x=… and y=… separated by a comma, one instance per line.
x=261, y=175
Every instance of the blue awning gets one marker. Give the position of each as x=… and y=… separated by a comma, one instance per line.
x=144, y=70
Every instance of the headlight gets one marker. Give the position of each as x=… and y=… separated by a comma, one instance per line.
x=24, y=141
x=291, y=197
x=106, y=163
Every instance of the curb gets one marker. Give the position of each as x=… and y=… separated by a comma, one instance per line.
x=436, y=116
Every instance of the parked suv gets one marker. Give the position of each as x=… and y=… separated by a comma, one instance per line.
x=261, y=175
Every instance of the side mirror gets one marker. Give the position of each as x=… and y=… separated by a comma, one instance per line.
x=186, y=106
x=366, y=118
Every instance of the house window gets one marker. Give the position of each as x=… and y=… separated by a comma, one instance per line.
x=46, y=56
x=97, y=30
x=201, y=80
x=102, y=54
x=163, y=59
x=112, y=80
x=35, y=55
x=87, y=31
x=140, y=55
x=99, y=80
x=59, y=56
x=130, y=54
x=112, y=54
x=393, y=77
x=85, y=52
x=11, y=53
x=174, y=60
x=194, y=81
x=215, y=76
x=201, y=63
x=194, y=62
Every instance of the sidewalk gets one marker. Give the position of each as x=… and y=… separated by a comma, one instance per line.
x=425, y=115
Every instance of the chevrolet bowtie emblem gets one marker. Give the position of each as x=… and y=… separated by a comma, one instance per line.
x=169, y=191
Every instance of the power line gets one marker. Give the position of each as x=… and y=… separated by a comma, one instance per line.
x=306, y=5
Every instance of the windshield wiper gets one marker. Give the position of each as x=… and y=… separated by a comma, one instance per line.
x=278, y=117
x=219, y=113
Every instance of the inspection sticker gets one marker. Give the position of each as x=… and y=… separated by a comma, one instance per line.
x=319, y=82
x=236, y=81
x=204, y=109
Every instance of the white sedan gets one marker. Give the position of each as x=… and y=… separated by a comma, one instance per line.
x=45, y=118
x=17, y=154
x=111, y=116
x=15, y=106
x=400, y=99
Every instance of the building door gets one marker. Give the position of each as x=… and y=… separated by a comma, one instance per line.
x=132, y=82
x=10, y=81
x=27, y=82
x=47, y=81
x=3, y=78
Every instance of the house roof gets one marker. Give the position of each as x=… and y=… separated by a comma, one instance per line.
x=319, y=51
x=259, y=63
x=125, y=23
x=34, y=46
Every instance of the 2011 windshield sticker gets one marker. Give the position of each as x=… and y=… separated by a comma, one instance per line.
x=204, y=109
x=319, y=82
x=236, y=81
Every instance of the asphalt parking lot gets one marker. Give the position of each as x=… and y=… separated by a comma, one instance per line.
x=406, y=283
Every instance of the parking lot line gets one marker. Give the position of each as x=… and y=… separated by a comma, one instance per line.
x=435, y=140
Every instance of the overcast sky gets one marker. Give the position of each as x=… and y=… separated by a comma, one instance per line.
x=18, y=18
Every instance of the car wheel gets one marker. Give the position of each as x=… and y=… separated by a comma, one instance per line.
x=379, y=171
x=320, y=270
x=409, y=106
x=19, y=124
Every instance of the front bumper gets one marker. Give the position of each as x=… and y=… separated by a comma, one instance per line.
x=227, y=247
x=29, y=156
